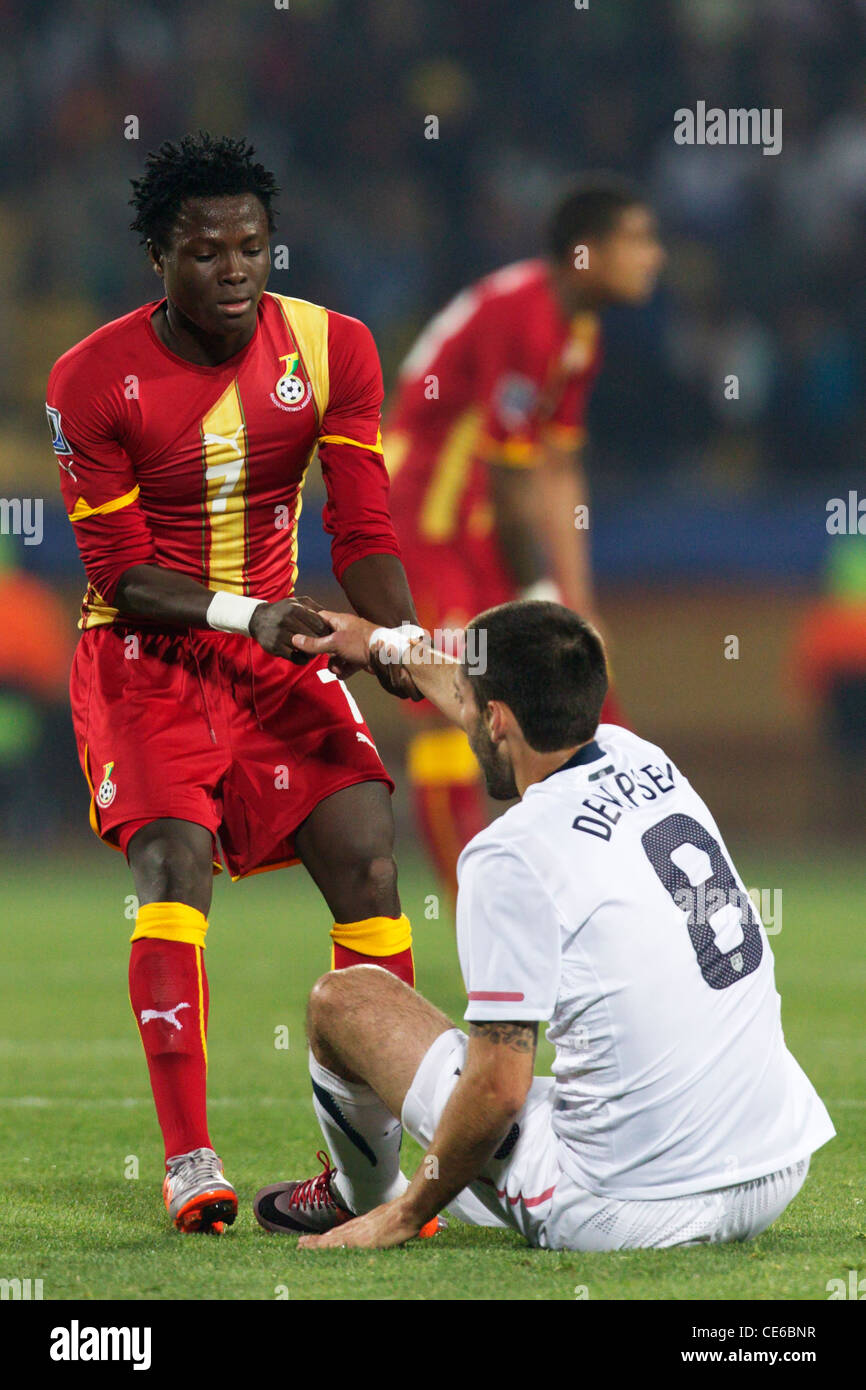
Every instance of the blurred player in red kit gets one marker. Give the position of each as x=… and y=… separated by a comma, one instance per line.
x=483, y=442
x=183, y=431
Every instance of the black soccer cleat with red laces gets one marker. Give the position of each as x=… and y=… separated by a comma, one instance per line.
x=301, y=1208
x=310, y=1207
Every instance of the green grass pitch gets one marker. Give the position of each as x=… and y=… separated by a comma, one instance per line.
x=75, y=1107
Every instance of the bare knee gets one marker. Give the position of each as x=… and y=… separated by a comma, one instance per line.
x=339, y=997
x=377, y=884
x=367, y=887
x=341, y=992
x=170, y=868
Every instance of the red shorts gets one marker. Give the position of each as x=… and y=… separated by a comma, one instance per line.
x=208, y=727
x=452, y=586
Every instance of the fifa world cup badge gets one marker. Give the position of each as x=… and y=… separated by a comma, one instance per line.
x=291, y=389
x=107, y=790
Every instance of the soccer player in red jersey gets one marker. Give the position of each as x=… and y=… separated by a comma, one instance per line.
x=483, y=443
x=183, y=432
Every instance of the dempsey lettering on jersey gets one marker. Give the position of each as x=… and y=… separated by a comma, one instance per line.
x=633, y=790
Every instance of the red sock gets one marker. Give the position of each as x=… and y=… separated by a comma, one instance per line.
x=402, y=964
x=168, y=978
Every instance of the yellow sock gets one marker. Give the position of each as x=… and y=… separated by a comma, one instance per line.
x=385, y=941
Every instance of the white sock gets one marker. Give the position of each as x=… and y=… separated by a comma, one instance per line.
x=363, y=1139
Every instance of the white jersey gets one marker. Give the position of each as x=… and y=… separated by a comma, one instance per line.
x=606, y=903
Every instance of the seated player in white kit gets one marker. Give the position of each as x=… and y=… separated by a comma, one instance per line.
x=605, y=904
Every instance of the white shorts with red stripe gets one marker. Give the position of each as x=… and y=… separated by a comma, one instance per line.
x=525, y=1189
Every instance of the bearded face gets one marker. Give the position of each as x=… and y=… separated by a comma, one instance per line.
x=493, y=760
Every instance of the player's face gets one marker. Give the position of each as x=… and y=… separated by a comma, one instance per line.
x=218, y=263
x=492, y=757
x=626, y=263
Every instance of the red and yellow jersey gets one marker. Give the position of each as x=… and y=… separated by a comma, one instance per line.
x=497, y=373
x=200, y=469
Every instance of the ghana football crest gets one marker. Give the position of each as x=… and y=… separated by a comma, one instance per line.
x=292, y=389
x=107, y=789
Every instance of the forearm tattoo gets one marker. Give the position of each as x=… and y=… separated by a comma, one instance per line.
x=520, y=1037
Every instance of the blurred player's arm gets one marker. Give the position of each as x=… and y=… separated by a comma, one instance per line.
x=535, y=510
x=517, y=522
x=562, y=491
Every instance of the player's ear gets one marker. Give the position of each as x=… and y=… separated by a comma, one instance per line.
x=494, y=718
x=155, y=258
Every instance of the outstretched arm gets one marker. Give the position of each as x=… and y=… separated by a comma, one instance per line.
x=542, y=533
x=349, y=644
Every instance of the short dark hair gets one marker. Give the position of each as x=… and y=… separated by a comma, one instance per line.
x=588, y=210
x=199, y=166
x=547, y=664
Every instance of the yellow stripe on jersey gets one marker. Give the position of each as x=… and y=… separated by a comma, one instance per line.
x=225, y=456
x=94, y=821
x=342, y=439
x=308, y=325
x=397, y=444
x=81, y=511
x=294, y=543
x=439, y=510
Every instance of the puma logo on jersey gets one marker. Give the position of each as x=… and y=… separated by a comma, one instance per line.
x=229, y=441
x=148, y=1014
x=363, y=738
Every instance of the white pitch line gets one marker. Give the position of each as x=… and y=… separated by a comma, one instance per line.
x=128, y=1102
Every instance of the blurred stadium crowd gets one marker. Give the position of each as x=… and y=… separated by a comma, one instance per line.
x=763, y=279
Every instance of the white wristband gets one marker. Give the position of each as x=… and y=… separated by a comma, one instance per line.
x=231, y=612
x=395, y=642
